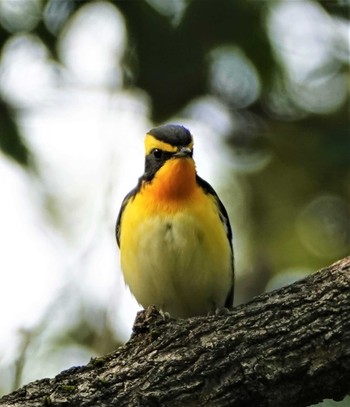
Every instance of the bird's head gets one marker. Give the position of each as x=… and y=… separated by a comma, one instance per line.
x=169, y=165
x=163, y=145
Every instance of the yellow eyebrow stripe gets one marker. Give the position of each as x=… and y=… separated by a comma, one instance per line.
x=151, y=142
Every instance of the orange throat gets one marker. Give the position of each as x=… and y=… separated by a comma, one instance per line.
x=176, y=180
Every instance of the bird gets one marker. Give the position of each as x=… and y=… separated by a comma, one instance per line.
x=174, y=232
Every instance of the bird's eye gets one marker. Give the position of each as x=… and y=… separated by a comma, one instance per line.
x=157, y=153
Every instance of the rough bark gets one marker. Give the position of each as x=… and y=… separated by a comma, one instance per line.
x=290, y=347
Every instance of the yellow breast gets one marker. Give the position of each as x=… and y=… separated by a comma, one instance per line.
x=174, y=249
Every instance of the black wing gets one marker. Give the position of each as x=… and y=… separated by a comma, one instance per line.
x=226, y=222
x=126, y=200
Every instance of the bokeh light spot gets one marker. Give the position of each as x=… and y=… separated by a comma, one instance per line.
x=233, y=77
x=19, y=15
x=324, y=226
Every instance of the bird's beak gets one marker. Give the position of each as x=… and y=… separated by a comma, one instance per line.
x=184, y=152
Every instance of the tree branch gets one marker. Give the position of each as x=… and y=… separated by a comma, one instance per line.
x=288, y=347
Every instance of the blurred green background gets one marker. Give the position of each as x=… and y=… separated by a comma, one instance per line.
x=263, y=86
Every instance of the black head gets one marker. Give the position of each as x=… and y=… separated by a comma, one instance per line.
x=172, y=134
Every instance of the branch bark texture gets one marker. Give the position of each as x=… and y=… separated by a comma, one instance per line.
x=290, y=347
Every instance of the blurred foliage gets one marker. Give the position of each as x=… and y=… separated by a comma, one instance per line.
x=170, y=63
x=331, y=403
x=11, y=142
x=289, y=142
